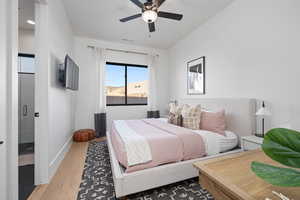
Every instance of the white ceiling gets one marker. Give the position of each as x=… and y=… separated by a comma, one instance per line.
x=26, y=12
x=100, y=19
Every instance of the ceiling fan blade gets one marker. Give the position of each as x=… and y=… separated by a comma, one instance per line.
x=151, y=27
x=138, y=3
x=159, y=2
x=170, y=15
x=126, y=19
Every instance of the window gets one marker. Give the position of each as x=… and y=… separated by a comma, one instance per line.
x=26, y=63
x=126, y=84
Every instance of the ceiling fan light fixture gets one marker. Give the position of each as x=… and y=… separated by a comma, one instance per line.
x=149, y=16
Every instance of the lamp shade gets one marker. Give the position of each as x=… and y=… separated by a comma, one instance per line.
x=263, y=111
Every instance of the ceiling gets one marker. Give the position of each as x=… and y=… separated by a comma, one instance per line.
x=26, y=12
x=100, y=19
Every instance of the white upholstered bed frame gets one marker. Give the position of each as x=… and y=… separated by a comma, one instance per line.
x=240, y=118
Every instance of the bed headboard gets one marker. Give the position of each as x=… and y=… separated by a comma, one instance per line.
x=240, y=112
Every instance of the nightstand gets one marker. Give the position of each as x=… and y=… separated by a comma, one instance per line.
x=153, y=114
x=251, y=142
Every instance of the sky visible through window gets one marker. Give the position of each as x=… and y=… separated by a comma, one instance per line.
x=115, y=75
x=136, y=90
x=26, y=64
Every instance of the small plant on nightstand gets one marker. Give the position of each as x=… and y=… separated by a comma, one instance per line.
x=283, y=146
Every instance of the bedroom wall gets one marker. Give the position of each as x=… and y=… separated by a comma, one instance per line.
x=26, y=41
x=61, y=101
x=252, y=51
x=86, y=101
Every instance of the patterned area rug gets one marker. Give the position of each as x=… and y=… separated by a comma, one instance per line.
x=97, y=182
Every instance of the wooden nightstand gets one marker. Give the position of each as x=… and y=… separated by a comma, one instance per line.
x=251, y=142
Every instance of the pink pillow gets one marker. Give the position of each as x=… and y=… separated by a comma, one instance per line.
x=213, y=121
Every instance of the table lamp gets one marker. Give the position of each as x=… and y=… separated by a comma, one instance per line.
x=263, y=112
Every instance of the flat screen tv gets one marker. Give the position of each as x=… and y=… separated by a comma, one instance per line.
x=69, y=74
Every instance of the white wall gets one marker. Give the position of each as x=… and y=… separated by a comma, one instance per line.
x=61, y=101
x=26, y=41
x=252, y=51
x=86, y=101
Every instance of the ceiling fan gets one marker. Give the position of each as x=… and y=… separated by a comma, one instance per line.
x=150, y=13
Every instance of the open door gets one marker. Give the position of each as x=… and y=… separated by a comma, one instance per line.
x=8, y=100
x=2, y=144
x=3, y=101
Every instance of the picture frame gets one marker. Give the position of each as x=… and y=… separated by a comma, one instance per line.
x=196, y=76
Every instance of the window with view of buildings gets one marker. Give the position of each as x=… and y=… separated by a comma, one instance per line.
x=126, y=84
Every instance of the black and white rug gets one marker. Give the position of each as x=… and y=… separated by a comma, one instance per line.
x=97, y=182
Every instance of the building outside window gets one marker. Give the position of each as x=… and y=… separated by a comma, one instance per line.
x=126, y=84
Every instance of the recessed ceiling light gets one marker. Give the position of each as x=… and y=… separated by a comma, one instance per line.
x=30, y=22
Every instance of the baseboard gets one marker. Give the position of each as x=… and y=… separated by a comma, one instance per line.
x=55, y=163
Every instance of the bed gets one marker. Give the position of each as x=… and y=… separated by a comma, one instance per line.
x=176, y=164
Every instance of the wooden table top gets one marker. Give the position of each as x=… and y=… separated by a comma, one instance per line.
x=234, y=173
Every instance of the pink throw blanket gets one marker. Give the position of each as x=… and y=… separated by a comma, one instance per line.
x=168, y=143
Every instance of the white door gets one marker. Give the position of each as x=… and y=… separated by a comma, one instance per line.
x=8, y=100
x=3, y=100
x=3, y=158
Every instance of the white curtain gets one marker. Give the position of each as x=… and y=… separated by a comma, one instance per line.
x=100, y=62
x=152, y=98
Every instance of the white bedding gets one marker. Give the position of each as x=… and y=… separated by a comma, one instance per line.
x=216, y=143
x=137, y=148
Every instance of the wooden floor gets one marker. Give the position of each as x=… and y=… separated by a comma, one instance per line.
x=65, y=184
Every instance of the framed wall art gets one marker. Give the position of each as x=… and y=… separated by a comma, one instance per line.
x=196, y=76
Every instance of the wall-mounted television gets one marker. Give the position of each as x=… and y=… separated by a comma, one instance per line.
x=69, y=74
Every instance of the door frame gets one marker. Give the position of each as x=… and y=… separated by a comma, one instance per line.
x=41, y=155
x=3, y=101
x=9, y=87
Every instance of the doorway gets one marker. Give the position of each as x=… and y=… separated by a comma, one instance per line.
x=26, y=97
x=26, y=79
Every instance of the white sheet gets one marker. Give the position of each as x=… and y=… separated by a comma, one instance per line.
x=229, y=142
x=216, y=143
x=137, y=148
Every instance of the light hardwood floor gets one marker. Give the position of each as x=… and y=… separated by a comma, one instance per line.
x=65, y=184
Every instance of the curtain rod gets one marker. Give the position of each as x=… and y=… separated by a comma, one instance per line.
x=123, y=51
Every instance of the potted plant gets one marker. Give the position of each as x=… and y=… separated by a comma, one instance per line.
x=283, y=146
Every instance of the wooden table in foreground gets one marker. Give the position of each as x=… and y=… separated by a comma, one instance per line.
x=230, y=178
